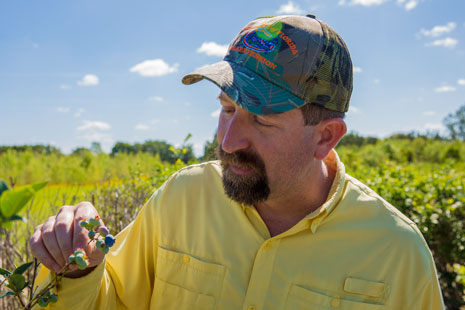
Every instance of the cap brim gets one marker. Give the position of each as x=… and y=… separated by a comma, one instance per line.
x=248, y=89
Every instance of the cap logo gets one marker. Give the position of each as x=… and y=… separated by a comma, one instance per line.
x=260, y=40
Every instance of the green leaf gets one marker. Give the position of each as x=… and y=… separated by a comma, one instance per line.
x=6, y=224
x=21, y=269
x=3, y=187
x=12, y=201
x=9, y=293
x=17, y=283
x=4, y=272
x=17, y=218
x=187, y=138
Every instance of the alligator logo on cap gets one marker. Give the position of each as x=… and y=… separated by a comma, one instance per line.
x=262, y=40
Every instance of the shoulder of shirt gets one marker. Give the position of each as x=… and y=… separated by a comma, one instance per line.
x=198, y=170
x=394, y=220
x=193, y=175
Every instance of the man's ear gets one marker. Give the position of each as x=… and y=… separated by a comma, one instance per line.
x=329, y=132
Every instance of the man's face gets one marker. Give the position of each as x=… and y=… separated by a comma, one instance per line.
x=262, y=156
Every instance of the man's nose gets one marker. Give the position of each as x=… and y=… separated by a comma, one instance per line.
x=236, y=136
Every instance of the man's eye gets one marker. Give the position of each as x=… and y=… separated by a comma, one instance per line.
x=227, y=110
x=261, y=123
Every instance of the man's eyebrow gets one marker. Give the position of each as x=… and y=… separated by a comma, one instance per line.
x=223, y=96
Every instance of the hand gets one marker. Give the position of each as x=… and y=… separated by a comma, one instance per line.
x=55, y=240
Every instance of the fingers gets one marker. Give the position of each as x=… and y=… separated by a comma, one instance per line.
x=54, y=241
x=83, y=211
x=64, y=225
x=50, y=241
x=40, y=252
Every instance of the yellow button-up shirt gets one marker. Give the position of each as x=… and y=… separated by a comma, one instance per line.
x=191, y=247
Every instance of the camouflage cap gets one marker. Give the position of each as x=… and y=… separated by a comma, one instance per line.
x=276, y=64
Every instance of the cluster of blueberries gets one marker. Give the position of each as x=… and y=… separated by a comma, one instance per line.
x=47, y=298
x=100, y=234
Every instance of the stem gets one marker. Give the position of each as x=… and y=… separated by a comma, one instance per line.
x=57, y=277
x=20, y=300
x=36, y=265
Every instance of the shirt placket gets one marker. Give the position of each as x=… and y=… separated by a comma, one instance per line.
x=260, y=277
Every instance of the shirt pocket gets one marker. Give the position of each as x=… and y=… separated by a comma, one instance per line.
x=183, y=281
x=300, y=298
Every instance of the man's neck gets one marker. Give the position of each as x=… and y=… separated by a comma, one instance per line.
x=282, y=213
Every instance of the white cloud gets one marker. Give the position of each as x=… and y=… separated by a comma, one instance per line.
x=198, y=149
x=154, y=67
x=104, y=138
x=430, y=126
x=141, y=127
x=444, y=89
x=354, y=110
x=89, y=80
x=216, y=113
x=156, y=99
x=363, y=2
x=63, y=109
x=357, y=70
x=429, y=113
x=411, y=5
x=438, y=30
x=213, y=49
x=95, y=131
x=461, y=82
x=376, y=81
x=447, y=42
x=79, y=113
x=154, y=121
x=65, y=87
x=93, y=125
x=290, y=8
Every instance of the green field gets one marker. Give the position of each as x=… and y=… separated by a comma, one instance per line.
x=423, y=178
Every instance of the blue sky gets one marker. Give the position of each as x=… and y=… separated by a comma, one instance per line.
x=73, y=72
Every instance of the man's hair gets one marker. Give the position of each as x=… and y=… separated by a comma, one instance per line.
x=314, y=114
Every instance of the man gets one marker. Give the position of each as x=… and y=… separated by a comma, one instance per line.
x=276, y=223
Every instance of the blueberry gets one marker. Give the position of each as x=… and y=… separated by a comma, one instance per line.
x=103, y=231
x=109, y=240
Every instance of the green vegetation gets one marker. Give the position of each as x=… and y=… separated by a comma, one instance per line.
x=421, y=175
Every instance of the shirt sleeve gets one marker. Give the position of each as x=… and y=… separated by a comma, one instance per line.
x=430, y=296
x=125, y=279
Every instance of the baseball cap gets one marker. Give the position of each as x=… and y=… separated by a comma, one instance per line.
x=276, y=64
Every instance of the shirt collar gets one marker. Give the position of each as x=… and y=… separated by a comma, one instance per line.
x=333, y=162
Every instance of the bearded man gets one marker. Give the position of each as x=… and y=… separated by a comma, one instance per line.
x=276, y=223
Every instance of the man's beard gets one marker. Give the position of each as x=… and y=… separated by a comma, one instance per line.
x=247, y=189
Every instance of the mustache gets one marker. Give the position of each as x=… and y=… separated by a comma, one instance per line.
x=240, y=158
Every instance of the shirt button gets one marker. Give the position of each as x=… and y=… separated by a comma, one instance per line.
x=335, y=302
x=251, y=308
x=267, y=245
x=186, y=259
